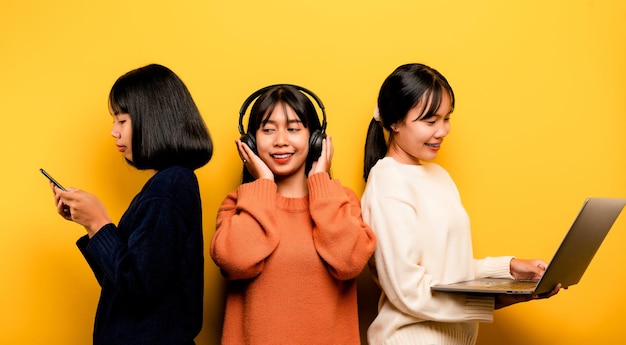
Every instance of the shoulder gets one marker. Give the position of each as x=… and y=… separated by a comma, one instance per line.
x=390, y=178
x=175, y=175
x=389, y=172
x=175, y=171
x=435, y=170
x=174, y=181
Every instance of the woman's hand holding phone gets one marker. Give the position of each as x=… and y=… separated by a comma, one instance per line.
x=79, y=206
x=62, y=209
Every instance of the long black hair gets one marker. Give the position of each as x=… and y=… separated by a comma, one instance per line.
x=166, y=123
x=402, y=90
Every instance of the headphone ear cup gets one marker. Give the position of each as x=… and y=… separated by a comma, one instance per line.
x=250, y=141
x=315, y=144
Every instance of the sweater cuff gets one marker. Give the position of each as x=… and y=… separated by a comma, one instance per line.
x=498, y=267
x=104, y=241
x=262, y=190
x=82, y=243
x=480, y=308
x=321, y=186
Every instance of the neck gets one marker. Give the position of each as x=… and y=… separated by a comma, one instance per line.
x=401, y=156
x=293, y=186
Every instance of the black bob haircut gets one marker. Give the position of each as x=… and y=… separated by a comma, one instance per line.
x=167, y=127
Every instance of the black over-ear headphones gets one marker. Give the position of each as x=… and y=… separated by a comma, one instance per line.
x=316, y=138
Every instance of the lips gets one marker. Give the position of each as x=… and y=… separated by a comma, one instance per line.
x=434, y=147
x=121, y=148
x=281, y=155
x=281, y=158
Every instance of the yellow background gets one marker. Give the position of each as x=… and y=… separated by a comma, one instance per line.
x=539, y=126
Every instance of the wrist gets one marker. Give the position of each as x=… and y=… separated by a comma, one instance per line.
x=511, y=265
x=93, y=228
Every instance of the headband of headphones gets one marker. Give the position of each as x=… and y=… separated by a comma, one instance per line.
x=259, y=92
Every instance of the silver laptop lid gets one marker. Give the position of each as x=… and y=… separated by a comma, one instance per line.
x=581, y=242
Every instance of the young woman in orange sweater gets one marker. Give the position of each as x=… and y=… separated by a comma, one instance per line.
x=290, y=240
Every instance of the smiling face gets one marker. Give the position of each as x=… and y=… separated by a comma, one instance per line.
x=416, y=139
x=122, y=131
x=283, y=143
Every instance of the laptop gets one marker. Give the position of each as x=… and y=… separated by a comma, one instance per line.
x=570, y=261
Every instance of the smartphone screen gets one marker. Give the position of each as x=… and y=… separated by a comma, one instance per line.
x=52, y=179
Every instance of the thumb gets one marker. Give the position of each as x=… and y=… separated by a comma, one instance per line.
x=313, y=168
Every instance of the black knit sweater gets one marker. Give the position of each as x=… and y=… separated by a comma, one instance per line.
x=151, y=266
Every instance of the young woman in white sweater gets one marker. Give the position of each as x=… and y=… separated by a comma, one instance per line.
x=423, y=231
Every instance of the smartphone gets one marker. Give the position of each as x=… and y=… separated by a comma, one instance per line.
x=52, y=179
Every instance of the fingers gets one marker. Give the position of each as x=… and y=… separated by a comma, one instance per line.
x=313, y=168
x=322, y=164
x=542, y=265
x=255, y=165
x=328, y=142
x=528, y=269
x=329, y=146
x=64, y=210
x=549, y=294
x=66, y=200
x=539, y=268
x=243, y=150
x=52, y=187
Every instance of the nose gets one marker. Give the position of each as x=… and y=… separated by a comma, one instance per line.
x=115, y=133
x=281, y=138
x=443, y=130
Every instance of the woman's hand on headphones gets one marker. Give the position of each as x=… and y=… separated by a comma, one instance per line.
x=323, y=163
x=257, y=168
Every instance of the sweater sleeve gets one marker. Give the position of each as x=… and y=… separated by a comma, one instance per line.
x=246, y=230
x=142, y=266
x=341, y=237
x=93, y=263
x=493, y=267
x=422, y=238
x=405, y=282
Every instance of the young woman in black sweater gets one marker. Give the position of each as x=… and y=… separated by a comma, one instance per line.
x=150, y=265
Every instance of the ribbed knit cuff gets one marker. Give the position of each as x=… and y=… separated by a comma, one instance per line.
x=479, y=308
x=321, y=186
x=104, y=241
x=497, y=267
x=260, y=190
x=432, y=333
x=82, y=243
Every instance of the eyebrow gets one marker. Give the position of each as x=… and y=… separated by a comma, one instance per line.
x=289, y=121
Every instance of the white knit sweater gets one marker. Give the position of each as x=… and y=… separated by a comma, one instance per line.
x=424, y=238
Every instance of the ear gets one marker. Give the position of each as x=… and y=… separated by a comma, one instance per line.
x=394, y=127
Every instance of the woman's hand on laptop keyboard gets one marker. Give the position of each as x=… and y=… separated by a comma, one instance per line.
x=527, y=269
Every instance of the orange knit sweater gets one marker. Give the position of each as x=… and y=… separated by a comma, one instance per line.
x=291, y=263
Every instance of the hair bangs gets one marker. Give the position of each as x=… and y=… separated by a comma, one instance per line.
x=118, y=100
x=266, y=104
x=432, y=98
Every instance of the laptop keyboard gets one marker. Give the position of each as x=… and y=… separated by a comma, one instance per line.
x=501, y=284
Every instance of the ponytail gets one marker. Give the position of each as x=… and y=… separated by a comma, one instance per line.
x=402, y=90
x=375, y=147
